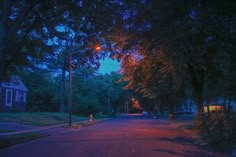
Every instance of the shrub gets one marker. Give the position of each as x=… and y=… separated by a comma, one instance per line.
x=34, y=108
x=234, y=130
x=217, y=130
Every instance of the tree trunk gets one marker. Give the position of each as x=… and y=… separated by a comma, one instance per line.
x=109, y=100
x=62, y=89
x=197, y=75
x=208, y=110
x=171, y=113
x=224, y=104
x=229, y=107
x=200, y=112
x=6, y=6
x=161, y=110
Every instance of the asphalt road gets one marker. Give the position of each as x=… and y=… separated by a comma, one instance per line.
x=124, y=137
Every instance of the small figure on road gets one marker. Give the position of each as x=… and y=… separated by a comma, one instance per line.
x=91, y=119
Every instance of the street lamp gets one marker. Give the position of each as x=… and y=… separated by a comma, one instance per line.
x=97, y=48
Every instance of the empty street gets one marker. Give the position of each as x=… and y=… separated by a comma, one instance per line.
x=129, y=136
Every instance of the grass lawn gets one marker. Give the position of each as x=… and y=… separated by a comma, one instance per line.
x=9, y=140
x=39, y=118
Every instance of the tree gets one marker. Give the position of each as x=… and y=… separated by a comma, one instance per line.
x=28, y=25
x=154, y=77
x=195, y=35
x=45, y=30
x=38, y=83
x=23, y=25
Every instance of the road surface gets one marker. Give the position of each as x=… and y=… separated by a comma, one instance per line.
x=121, y=137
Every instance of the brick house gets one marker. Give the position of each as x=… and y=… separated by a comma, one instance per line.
x=13, y=95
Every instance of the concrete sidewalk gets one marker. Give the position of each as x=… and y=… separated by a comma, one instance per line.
x=77, y=124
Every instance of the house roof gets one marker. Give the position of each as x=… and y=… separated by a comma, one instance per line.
x=15, y=83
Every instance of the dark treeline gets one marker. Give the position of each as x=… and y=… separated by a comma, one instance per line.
x=92, y=93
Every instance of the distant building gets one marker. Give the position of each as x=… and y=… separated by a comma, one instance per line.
x=221, y=104
x=214, y=107
x=13, y=95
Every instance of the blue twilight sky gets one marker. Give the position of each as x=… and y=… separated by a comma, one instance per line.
x=108, y=65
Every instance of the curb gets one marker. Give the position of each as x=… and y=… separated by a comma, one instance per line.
x=30, y=130
x=81, y=123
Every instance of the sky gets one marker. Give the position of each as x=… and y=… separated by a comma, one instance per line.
x=108, y=65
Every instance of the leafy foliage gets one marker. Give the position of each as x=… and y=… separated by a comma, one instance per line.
x=92, y=93
x=43, y=91
x=197, y=37
x=99, y=93
x=32, y=27
x=22, y=34
x=218, y=130
x=170, y=50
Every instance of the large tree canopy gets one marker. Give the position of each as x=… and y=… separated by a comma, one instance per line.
x=21, y=28
x=29, y=29
x=160, y=43
x=196, y=37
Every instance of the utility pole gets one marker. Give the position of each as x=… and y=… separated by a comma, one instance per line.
x=70, y=89
x=108, y=99
x=98, y=48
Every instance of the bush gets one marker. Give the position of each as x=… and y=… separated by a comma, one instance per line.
x=234, y=130
x=217, y=130
x=34, y=108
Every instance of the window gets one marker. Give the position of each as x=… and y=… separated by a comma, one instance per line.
x=8, y=97
x=20, y=96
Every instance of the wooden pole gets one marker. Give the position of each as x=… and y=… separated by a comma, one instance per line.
x=70, y=89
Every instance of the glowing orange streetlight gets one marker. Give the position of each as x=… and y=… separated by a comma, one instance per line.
x=98, y=48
